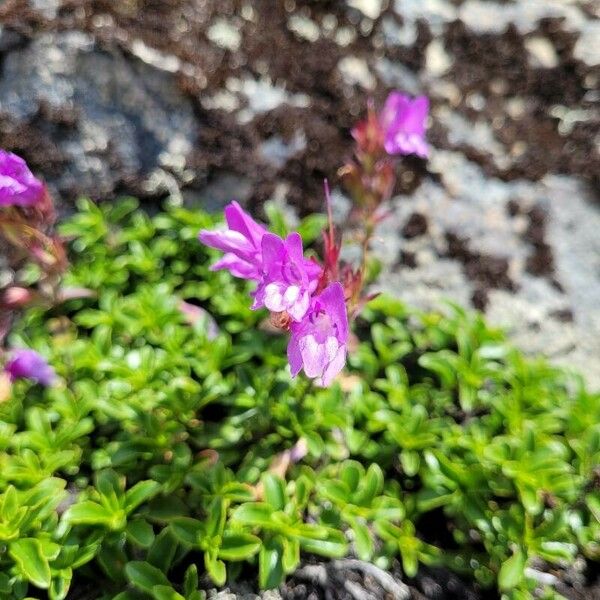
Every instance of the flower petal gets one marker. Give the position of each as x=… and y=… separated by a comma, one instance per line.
x=236, y=266
x=240, y=221
x=333, y=301
x=294, y=355
x=334, y=367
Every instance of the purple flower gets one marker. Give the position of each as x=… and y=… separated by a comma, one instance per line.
x=318, y=343
x=194, y=314
x=28, y=364
x=403, y=122
x=18, y=186
x=288, y=279
x=241, y=243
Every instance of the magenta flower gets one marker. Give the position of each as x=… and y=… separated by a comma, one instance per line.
x=28, y=364
x=241, y=243
x=403, y=121
x=319, y=342
x=288, y=279
x=18, y=186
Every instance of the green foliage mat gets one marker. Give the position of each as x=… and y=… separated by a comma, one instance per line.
x=139, y=472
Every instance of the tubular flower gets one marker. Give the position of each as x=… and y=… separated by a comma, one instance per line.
x=288, y=279
x=403, y=122
x=241, y=243
x=18, y=186
x=318, y=344
x=28, y=364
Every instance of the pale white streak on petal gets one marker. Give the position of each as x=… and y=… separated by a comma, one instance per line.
x=300, y=307
x=273, y=297
x=313, y=356
x=291, y=294
x=334, y=367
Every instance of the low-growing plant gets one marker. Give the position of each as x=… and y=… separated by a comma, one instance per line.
x=174, y=446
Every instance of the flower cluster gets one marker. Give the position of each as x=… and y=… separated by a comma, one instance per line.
x=294, y=288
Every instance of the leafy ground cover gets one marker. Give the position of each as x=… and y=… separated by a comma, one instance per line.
x=171, y=453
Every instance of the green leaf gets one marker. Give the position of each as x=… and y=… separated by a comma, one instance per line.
x=274, y=491
x=165, y=592
x=372, y=485
x=5, y=584
x=254, y=513
x=110, y=485
x=512, y=571
x=351, y=474
x=162, y=551
x=217, y=514
x=190, y=580
x=216, y=569
x=410, y=462
x=140, y=493
x=91, y=513
x=363, y=541
x=140, y=532
x=336, y=491
x=128, y=595
x=311, y=226
x=291, y=555
x=112, y=559
x=60, y=585
x=10, y=504
x=332, y=545
x=276, y=217
x=144, y=576
x=410, y=561
x=31, y=562
x=187, y=530
x=270, y=567
x=238, y=545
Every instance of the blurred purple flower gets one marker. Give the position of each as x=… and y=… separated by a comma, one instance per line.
x=241, y=243
x=319, y=343
x=28, y=364
x=288, y=279
x=195, y=314
x=403, y=121
x=18, y=186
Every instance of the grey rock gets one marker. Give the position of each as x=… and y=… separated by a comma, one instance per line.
x=224, y=188
x=475, y=207
x=128, y=112
x=9, y=39
x=587, y=48
x=277, y=152
x=48, y=8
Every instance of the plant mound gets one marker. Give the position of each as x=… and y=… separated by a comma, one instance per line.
x=173, y=453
